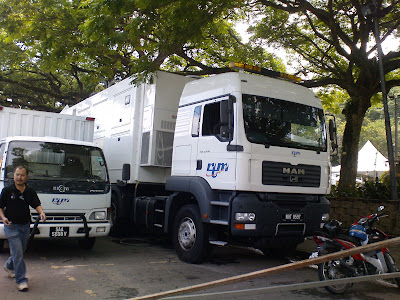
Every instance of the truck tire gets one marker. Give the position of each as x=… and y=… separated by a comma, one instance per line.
x=190, y=235
x=114, y=214
x=87, y=244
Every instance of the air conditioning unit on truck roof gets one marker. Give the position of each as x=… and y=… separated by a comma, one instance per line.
x=250, y=158
x=66, y=169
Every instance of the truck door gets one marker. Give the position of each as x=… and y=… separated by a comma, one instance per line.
x=214, y=163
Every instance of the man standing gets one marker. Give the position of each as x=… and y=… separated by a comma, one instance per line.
x=15, y=200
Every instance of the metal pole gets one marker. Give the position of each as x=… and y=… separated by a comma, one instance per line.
x=393, y=182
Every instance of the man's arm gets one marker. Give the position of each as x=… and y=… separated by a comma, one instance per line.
x=3, y=217
x=40, y=211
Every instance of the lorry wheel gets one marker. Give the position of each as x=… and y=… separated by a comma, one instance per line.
x=114, y=230
x=190, y=235
x=86, y=244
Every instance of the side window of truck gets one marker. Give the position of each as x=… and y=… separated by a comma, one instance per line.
x=211, y=118
x=196, y=121
x=216, y=119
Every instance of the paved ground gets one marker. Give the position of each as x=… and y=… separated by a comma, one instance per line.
x=122, y=269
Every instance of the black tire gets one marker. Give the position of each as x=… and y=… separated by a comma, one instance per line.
x=114, y=214
x=190, y=235
x=329, y=270
x=392, y=268
x=87, y=244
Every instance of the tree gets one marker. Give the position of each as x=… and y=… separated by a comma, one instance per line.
x=56, y=52
x=334, y=43
x=41, y=62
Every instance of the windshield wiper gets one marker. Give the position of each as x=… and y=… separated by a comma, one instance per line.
x=92, y=180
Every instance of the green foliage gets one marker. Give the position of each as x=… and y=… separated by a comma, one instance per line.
x=332, y=42
x=378, y=189
x=374, y=190
x=56, y=52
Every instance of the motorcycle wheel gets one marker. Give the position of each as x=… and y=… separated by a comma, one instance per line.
x=391, y=264
x=330, y=270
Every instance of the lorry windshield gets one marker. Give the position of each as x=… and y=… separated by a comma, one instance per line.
x=274, y=122
x=54, y=161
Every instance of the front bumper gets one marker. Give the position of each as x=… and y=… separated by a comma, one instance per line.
x=66, y=225
x=273, y=218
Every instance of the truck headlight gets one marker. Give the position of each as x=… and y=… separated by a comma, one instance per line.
x=245, y=216
x=325, y=217
x=99, y=215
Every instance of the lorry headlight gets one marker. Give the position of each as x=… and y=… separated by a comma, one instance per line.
x=325, y=217
x=245, y=216
x=99, y=215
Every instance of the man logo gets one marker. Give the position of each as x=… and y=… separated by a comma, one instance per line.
x=294, y=171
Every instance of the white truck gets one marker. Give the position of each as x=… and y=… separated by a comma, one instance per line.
x=231, y=158
x=66, y=169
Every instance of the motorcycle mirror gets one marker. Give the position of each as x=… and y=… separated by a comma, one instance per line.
x=380, y=208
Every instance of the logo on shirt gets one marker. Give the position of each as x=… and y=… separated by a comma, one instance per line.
x=21, y=197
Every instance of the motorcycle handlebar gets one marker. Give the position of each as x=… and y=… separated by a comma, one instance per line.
x=376, y=218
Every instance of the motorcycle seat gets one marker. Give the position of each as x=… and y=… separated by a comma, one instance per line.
x=350, y=239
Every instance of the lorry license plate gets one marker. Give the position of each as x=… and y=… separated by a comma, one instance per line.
x=293, y=217
x=59, y=231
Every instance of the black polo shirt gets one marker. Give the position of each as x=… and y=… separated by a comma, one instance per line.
x=16, y=204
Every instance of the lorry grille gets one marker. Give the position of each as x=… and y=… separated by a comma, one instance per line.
x=277, y=173
x=61, y=219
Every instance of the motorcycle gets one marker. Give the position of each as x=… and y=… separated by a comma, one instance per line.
x=334, y=238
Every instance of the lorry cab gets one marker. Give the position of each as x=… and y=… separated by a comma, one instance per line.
x=254, y=153
x=67, y=170
x=274, y=141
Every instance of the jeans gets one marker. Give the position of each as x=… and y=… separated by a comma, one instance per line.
x=17, y=235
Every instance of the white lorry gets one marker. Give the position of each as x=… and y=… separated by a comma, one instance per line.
x=66, y=169
x=231, y=158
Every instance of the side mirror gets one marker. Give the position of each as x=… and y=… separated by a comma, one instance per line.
x=224, y=129
x=333, y=135
x=231, y=100
x=126, y=172
x=332, y=130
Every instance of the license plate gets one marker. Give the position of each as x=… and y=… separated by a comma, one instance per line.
x=293, y=217
x=59, y=231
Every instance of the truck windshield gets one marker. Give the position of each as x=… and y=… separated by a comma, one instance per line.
x=274, y=122
x=54, y=161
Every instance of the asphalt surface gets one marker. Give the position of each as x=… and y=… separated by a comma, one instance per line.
x=128, y=268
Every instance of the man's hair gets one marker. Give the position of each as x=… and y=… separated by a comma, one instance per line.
x=22, y=167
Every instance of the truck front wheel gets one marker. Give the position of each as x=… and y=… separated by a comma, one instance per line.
x=190, y=235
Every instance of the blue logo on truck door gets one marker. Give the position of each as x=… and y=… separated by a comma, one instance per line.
x=213, y=169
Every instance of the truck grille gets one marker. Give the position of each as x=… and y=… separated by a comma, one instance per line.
x=61, y=219
x=277, y=173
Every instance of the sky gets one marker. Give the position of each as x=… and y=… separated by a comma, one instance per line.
x=390, y=44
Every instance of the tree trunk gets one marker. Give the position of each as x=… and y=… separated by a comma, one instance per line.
x=355, y=112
